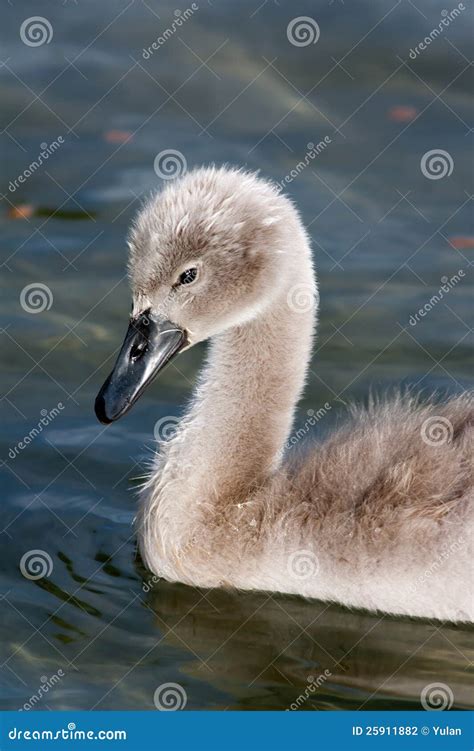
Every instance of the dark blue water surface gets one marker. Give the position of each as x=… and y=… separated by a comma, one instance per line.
x=225, y=86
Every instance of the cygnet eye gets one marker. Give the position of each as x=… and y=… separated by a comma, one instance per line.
x=188, y=276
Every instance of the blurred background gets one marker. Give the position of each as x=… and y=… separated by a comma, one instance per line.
x=370, y=134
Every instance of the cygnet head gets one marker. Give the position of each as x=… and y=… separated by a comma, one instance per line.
x=209, y=252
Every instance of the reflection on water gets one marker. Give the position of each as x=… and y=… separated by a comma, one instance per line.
x=282, y=645
x=384, y=236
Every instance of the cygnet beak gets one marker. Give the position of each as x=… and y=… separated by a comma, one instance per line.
x=150, y=343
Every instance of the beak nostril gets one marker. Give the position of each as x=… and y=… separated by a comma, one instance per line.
x=147, y=348
x=138, y=350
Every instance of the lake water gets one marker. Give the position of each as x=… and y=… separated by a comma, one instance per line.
x=225, y=86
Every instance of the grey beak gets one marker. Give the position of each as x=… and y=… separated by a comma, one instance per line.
x=149, y=345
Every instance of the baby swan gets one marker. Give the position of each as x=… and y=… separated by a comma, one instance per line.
x=380, y=516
